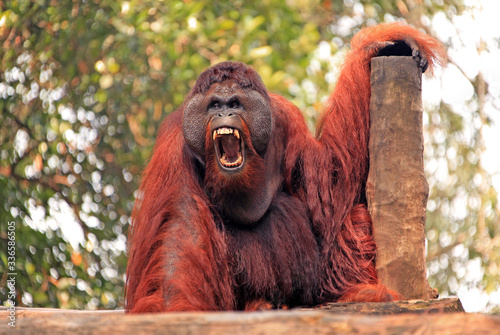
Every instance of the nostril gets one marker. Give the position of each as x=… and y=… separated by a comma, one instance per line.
x=230, y=114
x=219, y=115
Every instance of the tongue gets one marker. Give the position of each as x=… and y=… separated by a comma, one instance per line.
x=231, y=146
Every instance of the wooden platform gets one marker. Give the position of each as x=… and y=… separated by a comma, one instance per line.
x=444, y=316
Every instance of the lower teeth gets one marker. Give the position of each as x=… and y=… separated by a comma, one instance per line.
x=225, y=162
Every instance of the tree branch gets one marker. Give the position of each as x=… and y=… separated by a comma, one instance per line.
x=460, y=240
x=49, y=183
x=20, y=123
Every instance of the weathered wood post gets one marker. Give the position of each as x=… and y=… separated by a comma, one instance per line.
x=397, y=189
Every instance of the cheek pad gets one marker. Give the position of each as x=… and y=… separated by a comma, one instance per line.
x=259, y=119
x=194, y=122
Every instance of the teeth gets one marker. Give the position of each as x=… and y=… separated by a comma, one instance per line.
x=228, y=131
x=237, y=162
x=225, y=131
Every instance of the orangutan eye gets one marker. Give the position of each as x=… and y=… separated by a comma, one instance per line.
x=234, y=104
x=216, y=105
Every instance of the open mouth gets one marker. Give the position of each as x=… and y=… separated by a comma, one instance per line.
x=228, y=146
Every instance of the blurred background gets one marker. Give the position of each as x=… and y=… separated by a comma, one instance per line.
x=84, y=86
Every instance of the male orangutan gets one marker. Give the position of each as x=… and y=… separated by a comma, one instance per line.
x=241, y=208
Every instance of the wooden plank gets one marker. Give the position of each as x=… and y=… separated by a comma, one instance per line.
x=269, y=322
x=24, y=312
x=448, y=305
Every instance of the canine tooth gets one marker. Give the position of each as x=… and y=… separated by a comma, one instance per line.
x=237, y=133
x=215, y=135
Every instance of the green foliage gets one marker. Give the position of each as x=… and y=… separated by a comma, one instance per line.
x=84, y=87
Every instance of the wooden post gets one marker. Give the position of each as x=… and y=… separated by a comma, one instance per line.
x=397, y=189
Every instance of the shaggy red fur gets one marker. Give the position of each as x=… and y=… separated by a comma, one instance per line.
x=314, y=242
